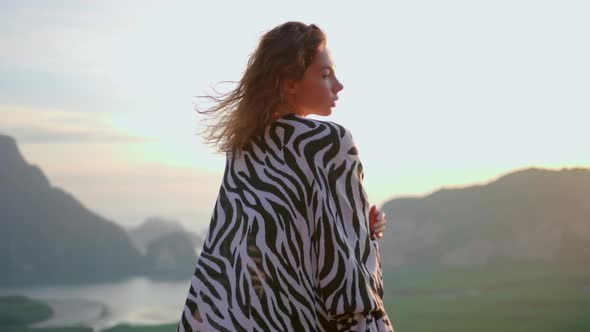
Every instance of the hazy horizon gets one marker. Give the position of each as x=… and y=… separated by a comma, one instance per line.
x=100, y=95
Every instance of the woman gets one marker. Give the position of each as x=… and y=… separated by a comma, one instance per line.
x=292, y=240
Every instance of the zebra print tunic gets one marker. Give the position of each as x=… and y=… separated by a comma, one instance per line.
x=289, y=246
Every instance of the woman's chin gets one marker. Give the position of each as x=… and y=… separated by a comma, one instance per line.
x=322, y=112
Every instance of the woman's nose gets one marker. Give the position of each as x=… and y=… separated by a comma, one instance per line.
x=339, y=86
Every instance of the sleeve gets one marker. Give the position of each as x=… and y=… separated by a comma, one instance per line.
x=349, y=279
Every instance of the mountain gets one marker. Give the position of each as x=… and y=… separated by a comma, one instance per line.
x=171, y=256
x=50, y=237
x=527, y=215
x=154, y=228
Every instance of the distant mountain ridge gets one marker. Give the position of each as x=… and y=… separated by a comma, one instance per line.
x=49, y=237
x=155, y=228
x=530, y=215
x=171, y=256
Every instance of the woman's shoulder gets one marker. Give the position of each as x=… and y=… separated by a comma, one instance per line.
x=319, y=134
x=305, y=124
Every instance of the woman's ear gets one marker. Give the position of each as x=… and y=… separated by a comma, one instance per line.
x=290, y=86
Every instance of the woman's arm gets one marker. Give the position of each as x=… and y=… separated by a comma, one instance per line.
x=349, y=278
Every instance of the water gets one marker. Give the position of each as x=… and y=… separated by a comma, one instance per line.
x=135, y=301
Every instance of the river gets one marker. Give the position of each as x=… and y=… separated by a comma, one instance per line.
x=135, y=301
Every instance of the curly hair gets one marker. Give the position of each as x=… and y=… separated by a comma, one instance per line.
x=285, y=52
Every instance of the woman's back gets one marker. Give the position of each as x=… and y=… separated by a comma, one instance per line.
x=288, y=247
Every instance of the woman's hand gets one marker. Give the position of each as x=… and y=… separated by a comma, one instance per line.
x=377, y=222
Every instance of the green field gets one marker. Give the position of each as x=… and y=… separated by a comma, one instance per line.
x=505, y=297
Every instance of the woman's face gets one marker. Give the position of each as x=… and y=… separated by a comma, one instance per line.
x=317, y=92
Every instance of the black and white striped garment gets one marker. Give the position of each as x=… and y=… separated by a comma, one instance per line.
x=288, y=247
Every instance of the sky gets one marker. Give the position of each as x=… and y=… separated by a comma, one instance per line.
x=437, y=94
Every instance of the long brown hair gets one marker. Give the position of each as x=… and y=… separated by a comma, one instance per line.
x=284, y=52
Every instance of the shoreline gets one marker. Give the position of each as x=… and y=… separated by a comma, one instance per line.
x=89, y=316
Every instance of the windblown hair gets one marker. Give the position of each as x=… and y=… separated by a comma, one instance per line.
x=284, y=52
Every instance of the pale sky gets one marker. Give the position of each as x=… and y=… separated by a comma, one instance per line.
x=100, y=94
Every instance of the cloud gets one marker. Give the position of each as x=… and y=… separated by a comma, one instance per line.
x=67, y=91
x=65, y=35
x=34, y=125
